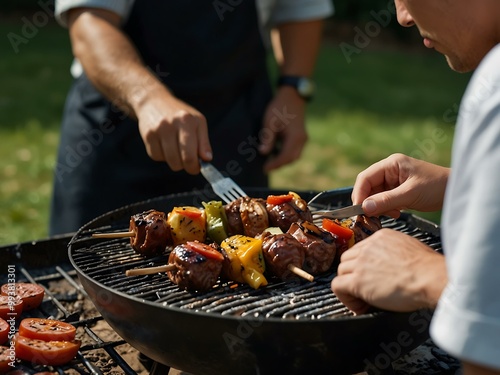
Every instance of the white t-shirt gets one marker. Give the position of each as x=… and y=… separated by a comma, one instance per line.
x=467, y=319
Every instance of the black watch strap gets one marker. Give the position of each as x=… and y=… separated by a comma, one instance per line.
x=303, y=85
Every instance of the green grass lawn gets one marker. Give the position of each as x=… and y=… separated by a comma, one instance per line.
x=382, y=102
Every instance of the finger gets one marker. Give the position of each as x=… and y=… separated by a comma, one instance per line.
x=342, y=287
x=387, y=202
x=188, y=147
x=154, y=149
x=171, y=153
x=204, y=146
x=293, y=144
x=345, y=268
x=367, y=182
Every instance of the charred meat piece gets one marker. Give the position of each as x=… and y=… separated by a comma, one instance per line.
x=319, y=246
x=197, y=266
x=281, y=250
x=234, y=223
x=363, y=226
x=152, y=233
x=253, y=216
x=284, y=214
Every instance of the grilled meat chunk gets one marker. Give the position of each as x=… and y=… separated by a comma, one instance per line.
x=281, y=250
x=234, y=223
x=152, y=233
x=253, y=216
x=319, y=246
x=194, y=271
x=283, y=215
x=364, y=226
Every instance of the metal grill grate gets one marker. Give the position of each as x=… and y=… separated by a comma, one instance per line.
x=106, y=261
x=53, y=306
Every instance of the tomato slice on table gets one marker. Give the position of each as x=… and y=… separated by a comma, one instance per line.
x=31, y=294
x=279, y=199
x=10, y=307
x=4, y=331
x=46, y=329
x=6, y=358
x=205, y=250
x=49, y=353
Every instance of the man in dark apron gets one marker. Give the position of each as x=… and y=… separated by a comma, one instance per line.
x=212, y=62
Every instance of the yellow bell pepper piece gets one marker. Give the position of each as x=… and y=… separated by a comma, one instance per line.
x=247, y=261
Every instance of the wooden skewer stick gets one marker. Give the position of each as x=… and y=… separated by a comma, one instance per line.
x=114, y=235
x=300, y=272
x=150, y=270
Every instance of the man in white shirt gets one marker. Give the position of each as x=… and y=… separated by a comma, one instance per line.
x=394, y=271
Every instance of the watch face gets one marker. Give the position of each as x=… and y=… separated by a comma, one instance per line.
x=305, y=87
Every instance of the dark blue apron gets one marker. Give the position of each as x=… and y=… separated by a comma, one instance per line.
x=212, y=58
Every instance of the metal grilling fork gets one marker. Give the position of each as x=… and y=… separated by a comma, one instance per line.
x=224, y=187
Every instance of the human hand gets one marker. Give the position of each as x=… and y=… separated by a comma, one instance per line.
x=284, y=122
x=400, y=182
x=390, y=270
x=174, y=132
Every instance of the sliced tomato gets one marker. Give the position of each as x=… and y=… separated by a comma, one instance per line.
x=342, y=232
x=48, y=353
x=279, y=199
x=7, y=357
x=4, y=331
x=31, y=294
x=47, y=329
x=205, y=250
x=10, y=307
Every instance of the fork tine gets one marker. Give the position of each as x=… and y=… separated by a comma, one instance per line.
x=224, y=187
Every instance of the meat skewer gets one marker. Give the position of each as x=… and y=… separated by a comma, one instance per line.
x=114, y=235
x=149, y=233
x=197, y=266
x=319, y=246
x=193, y=266
x=149, y=270
x=283, y=254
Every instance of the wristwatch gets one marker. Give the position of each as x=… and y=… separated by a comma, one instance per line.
x=304, y=86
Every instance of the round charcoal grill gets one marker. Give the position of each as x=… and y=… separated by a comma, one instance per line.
x=292, y=327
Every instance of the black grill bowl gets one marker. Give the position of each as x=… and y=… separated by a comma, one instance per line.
x=285, y=328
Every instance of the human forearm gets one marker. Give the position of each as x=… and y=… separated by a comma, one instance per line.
x=296, y=47
x=110, y=60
